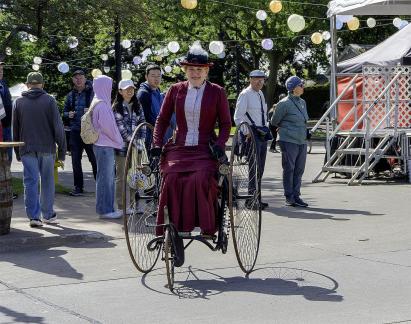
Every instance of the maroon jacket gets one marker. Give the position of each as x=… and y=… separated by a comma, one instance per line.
x=214, y=108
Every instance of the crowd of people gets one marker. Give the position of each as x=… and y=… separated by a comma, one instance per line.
x=184, y=139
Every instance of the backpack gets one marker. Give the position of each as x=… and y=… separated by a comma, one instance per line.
x=88, y=133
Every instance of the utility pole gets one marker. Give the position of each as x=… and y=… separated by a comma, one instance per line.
x=117, y=49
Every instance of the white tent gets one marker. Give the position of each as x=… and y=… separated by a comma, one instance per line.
x=389, y=52
x=16, y=90
x=369, y=7
x=359, y=8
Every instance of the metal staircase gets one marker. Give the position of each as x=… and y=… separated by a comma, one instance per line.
x=370, y=139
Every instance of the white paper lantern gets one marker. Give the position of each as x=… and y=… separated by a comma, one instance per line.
x=173, y=47
x=126, y=74
x=397, y=22
x=96, y=72
x=261, y=15
x=72, y=41
x=35, y=67
x=326, y=35
x=371, y=22
x=126, y=43
x=137, y=60
x=9, y=51
x=216, y=47
x=296, y=23
x=63, y=67
x=37, y=60
x=168, y=69
x=106, y=69
x=267, y=44
x=104, y=57
x=344, y=18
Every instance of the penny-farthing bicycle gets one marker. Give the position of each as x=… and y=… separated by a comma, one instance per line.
x=238, y=212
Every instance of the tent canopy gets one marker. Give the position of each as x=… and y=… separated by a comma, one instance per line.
x=389, y=52
x=369, y=7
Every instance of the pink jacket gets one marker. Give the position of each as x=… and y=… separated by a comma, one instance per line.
x=103, y=116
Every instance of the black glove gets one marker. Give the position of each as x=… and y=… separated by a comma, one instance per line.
x=218, y=153
x=155, y=153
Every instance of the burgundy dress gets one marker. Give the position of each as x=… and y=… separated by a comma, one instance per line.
x=189, y=187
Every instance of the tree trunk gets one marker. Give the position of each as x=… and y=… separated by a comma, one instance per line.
x=271, y=83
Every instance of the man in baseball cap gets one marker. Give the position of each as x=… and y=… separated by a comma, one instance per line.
x=251, y=108
x=37, y=123
x=291, y=117
x=76, y=104
x=34, y=78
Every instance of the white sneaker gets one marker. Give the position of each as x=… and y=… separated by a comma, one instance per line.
x=130, y=211
x=35, y=223
x=51, y=220
x=114, y=215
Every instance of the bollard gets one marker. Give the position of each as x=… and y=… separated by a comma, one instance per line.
x=6, y=193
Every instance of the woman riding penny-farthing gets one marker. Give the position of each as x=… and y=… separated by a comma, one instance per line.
x=189, y=182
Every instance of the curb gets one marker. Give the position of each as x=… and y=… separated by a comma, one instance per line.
x=9, y=244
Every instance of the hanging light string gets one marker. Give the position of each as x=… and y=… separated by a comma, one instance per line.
x=53, y=62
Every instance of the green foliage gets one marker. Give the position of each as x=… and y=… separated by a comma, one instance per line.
x=153, y=24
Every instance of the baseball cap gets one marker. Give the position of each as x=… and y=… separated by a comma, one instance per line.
x=78, y=71
x=124, y=84
x=293, y=82
x=35, y=78
x=257, y=74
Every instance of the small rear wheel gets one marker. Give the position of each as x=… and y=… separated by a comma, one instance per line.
x=169, y=258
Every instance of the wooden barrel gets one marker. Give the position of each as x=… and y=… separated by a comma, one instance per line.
x=6, y=193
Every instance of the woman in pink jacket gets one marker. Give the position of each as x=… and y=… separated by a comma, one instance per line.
x=108, y=140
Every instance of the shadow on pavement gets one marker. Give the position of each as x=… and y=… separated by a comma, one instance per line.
x=49, y=253
x=16, y=317
x=317, y=213
x=276, y=281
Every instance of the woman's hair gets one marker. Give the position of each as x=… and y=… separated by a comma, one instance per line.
x=118, y=104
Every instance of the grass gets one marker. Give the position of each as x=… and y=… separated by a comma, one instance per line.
x=18, y=187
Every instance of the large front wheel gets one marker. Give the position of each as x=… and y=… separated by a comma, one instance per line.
x=140, y=212
x=245, y=197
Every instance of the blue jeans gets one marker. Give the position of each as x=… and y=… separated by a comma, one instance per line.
x=8, y=138
x=293, y=162
x=38, y=165
x=105, y=179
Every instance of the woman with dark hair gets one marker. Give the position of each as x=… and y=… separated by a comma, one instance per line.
x=128, y=114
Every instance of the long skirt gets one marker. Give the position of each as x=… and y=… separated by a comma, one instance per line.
x=189, y=190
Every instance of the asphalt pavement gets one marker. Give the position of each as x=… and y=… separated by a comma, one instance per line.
x=345, y=259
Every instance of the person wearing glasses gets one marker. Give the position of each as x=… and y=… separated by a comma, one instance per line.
x=291, y=118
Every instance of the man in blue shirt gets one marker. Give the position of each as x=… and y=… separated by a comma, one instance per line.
x=77, y=102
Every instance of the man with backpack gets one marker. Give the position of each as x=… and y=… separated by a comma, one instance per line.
x=77, y=102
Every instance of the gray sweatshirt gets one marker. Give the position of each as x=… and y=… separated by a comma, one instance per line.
x=37, y=123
